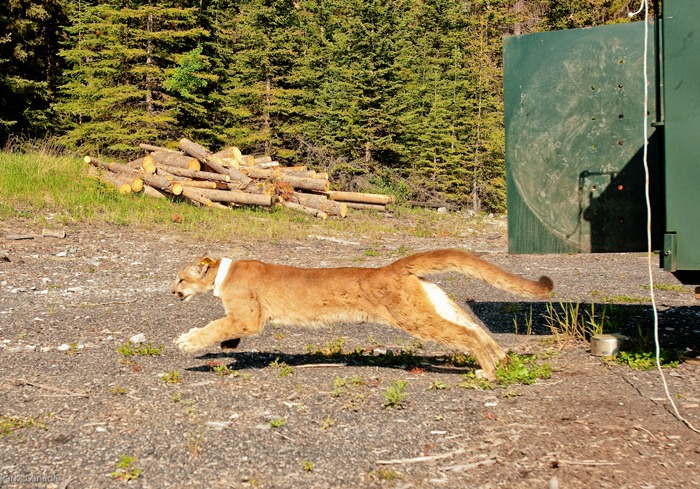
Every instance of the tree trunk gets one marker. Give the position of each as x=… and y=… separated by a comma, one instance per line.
x=199, y=175
x=361, y=197
x=180, y=160
x=234, y=196
x=304, y=209
x=321, y=203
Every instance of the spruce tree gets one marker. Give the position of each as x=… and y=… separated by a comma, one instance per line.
x=29, y=65
x=119, y=58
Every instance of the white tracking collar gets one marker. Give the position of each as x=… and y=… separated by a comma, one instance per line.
x=221, y=275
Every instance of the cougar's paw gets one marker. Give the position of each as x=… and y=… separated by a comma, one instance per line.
x=190, y=342
x=485, y=375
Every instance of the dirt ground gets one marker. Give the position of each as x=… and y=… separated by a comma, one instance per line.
x=73, y=405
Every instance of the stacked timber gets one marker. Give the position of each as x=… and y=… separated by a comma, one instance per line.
x=230, y=179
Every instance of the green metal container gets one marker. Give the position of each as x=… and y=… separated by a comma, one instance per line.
x=574, y=118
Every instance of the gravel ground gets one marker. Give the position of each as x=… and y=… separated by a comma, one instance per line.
x=73, y=406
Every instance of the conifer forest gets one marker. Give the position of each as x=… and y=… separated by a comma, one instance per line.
x=401, y=95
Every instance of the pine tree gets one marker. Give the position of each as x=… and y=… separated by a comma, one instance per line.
x=115, y=94
x=29, y=36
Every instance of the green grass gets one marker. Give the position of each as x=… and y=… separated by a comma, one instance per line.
x=12, y=424
x=51, y=190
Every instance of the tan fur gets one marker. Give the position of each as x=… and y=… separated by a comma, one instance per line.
x=255, y=293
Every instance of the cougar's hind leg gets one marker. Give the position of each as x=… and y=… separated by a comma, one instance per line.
x=434, y=316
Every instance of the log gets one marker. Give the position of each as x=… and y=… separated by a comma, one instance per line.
x=231, y=153
x=256, y=187
x=53, y=233
x=235, y=196
x=199, y=175
x=212, y=161
x=113, y=167
x=152, y=192
x=303, y=208
x=162, y=183
x=148, y=164
x=203, y=184
x=361, y=197
x=150, y=147
x=289, y=178
x=303, y=183
x=321, y=202
x=194, y=196
x=135, y=164
x=127, y=176
x=262, y=159
x=169, y=158
x=119, y=181
x=271, y=164
x=372, y=207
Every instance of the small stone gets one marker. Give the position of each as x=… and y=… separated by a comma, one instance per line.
x=137, y=339
x=218, y=425
x=63, y=347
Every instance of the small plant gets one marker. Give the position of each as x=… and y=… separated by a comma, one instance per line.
x=277, y=422
x=307, y=466
x=224, y=370
x=284, y=369
x=668, y=287
x=523, y=369
x=471, y=381
x=118, y=390
x=528, y=323
x=395, y=394
x=339, y=384
x=327, y=423
x=172, y=377
x=125, y=469
x=387, y=474
x=438, y=385
x=195, y=441
x=371, y=252
x=129, y=350
x=646, y=360
x=10, y=424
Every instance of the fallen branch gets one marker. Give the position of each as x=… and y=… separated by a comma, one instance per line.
x=416, y=460
x=65, y=392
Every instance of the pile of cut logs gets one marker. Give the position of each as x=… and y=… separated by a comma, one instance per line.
x=229, y=179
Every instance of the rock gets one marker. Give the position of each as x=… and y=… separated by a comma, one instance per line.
x=218, y=425
x=63, y=347
x=137, y=339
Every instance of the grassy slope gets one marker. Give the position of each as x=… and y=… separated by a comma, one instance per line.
x=54, y=190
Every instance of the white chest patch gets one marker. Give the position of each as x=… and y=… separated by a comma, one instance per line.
x=221, y=275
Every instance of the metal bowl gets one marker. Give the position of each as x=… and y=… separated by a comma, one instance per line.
x=606, y=345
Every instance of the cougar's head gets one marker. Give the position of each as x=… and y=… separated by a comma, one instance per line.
x=196, y=278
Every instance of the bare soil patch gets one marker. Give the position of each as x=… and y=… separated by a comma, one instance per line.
x=72, y=404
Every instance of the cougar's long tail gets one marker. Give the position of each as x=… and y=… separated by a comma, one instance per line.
x=438, y=261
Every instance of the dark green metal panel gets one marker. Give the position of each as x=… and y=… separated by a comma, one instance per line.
x=574, y=137
x=681, y=62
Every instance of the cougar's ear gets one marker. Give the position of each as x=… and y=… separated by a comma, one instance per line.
x=200, y=267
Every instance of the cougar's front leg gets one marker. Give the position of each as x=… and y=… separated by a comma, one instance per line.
x=222, y=330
